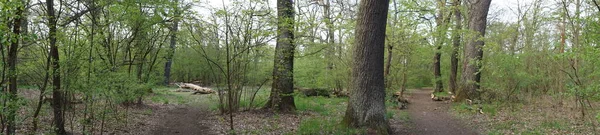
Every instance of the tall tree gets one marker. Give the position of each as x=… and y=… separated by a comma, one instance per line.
x=366, y=106
x=57, y=94
x=173, y=42
x=12, y=69
x=281, y=98
x=473, y=52
x=455, y=46
x=440, y=35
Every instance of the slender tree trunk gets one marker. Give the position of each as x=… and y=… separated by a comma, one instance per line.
x=388, y=64
x=41, y=97
x=331, y=47
x=12, y=70
x=173, y=42
x=404, y=75
x=440, y=29
x=366, y=105
x=390, y=48
x=330, y=35
x=282, y=98
x=471, y=75
x=57, y=97
x=455, y=46
x=437, y=73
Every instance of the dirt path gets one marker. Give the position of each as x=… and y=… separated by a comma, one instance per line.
x=185, y=120
x=432, y=117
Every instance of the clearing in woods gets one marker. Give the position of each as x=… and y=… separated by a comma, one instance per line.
x=427, y=117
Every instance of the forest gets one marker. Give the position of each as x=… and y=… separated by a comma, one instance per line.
x=299, y=67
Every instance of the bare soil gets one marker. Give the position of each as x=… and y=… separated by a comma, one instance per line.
x=186, y=120
x=430, y=117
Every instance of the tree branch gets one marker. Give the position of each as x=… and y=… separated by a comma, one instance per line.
x=76, y=16
x=596, y=3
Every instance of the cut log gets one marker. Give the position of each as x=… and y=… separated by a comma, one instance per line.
x=196, y=89
x=401, y=101
x=441, y=98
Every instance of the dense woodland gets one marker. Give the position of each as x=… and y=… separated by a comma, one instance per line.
x=68, y=66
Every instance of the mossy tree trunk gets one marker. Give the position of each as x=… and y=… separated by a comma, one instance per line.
x=282, y=98
x=12, y=72
x=441, y=29
x=366, y=106
x=471, y=75
x=455, y=46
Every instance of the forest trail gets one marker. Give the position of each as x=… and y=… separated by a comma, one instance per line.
x=432, y=117
x=185, y=120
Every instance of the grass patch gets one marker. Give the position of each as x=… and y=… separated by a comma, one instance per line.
x=490, y=109
x=325, y=126
x=532, y=132
x=507, y=125
x=494, y=132
x=321, y=105
x=553, y=124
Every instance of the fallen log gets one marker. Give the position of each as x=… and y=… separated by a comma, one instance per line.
x=196, y=89
x=401, y=101
x=441, y=98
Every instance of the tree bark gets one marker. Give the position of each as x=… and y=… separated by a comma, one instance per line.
x=366, y=105
x=471, y=75
x=455, y=46
x=12, y=70
x=173, y=42
x=282, y=98
x=440, y=29
x=57, y=97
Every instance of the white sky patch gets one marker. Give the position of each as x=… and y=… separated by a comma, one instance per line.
x=506, y=10
x=500, y=10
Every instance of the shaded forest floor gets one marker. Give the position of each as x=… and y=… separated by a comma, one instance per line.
x=316, y=115
x=532, y=115
x=183, y=113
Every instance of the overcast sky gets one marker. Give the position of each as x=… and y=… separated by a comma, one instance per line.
x=500, y=9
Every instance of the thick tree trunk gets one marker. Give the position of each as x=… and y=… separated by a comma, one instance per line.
x=366, y=106
x=12, y=76
x=171, y=51
x=57, y=94
x=455, y=46
x=282, y=98
x=471, y=75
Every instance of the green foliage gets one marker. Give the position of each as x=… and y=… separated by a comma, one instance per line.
x=598, y=117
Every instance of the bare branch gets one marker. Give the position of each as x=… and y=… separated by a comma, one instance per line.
x=596, y=3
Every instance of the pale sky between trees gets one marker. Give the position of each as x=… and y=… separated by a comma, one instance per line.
x=500, y=9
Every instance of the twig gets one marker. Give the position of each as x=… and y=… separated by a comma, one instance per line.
x=596, y=3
